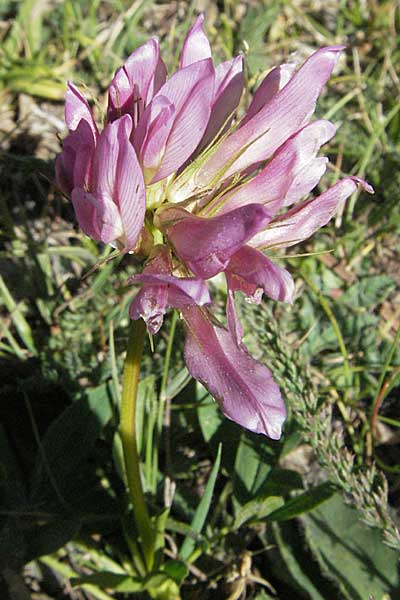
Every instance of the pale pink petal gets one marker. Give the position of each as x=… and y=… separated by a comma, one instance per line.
x=234, y=324
x=136, y=82
x=152, y=133
x=161, y=290
x=304, y=181
x=190, y=91
x=76, y=109
x=229, y=82
x=86, y=213
x=243, y=387
x=74, y=165
x=183, y=291
x=276, y=79
x=250, y=271
x=130, y=189
x=291, y=174
x=206, y=245
x=196, y=45
x=303, y=220
x=289, y=110
x=150, y=304
x=118, y=179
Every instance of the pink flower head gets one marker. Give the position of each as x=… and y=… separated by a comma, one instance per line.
x=217, y=193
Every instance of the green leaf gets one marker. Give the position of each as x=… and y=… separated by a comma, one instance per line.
x=253, y=464
x=282, y=481
x=352, y=554
x=293, y=566
x=176, y=569
x=253, y=28
x=67, y=443
x=27, y=27
x=115, y=581
x=209, y=415
x=304, y=503
x=158, y=585
x=257, y=509
x=77, y=254
x=21, y=324
x=46, y=539
x=202, y=510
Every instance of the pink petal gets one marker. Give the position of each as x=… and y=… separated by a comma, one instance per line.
x=74, y=165
x=86, y=213
x=160, y=290
x=151, y=136
x=303, y=220
x=276, y=79
x=206, y=245
x=76, y=109
x=289, y=110
x=190, y=91
x=150, y=304
x=291, y=174
x=249, y=271
x=234, y=325
x=196, y=45
x=183, y=291
x=243, y=387
x=118, y=179
x=136, y=82
x=304, y=181
x=229, y=82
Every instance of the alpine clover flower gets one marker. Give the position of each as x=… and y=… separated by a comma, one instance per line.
x=172, y=165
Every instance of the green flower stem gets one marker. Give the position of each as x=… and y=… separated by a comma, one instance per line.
x=128, y=436
x=163, y=397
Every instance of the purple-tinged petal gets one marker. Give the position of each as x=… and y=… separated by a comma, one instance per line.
x=136, y=82
x=305, y=180
x=161, y=290
x=276, y=79
x=304, y=219
x=183, y=291
x=234, y=324
x=86, y=213
x=150, y=304
x=190, y=91
x=250, y=271
x=118, y=179
x=243, y=387
x=151, y=136
x=206, y=245
x=74, y=165
x=289, y=110
x=229, y=82
x=76, y=109
x=291, y=174
x=196, y=45
x=100, y=220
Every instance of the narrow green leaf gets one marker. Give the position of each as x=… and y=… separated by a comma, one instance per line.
x=257, y=509
x=114, y=581
x=304, y=503
x=202, y=510
x=21, y=324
